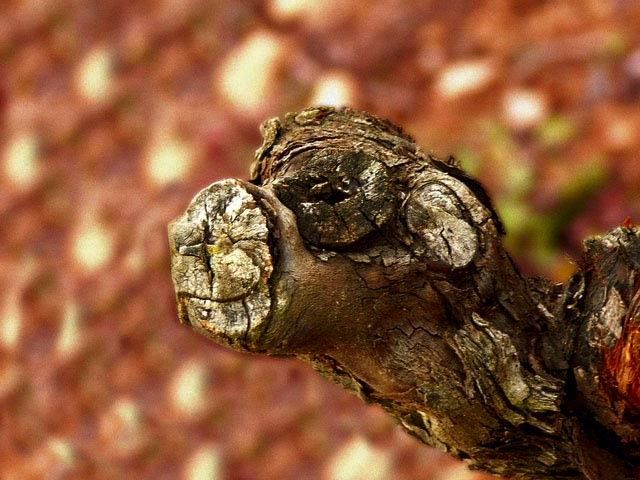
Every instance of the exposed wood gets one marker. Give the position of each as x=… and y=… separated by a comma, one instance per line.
x=384, y=268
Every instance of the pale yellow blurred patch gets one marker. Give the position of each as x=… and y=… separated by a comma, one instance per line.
x=21, y=163
x=70, y=333
x=93, y=246
x=204, y=464
x=313, y=13
x=283, y=10
x=169, y=160
x=247, y=76
x=122, y=428
x=94, y=75
x=62, y=449
x=459, y=472
x=334, y=89
x=11, y=313
x=187, y=389
x=11, y=319
x=127, y=411
x=524, y=109
x=359, y=460
x=465, y=77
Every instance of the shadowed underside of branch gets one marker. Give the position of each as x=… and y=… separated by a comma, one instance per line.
x=383, y=267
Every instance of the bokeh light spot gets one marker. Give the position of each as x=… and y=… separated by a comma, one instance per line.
x=69, y=336
x=204, y=464
x=93, y=247
x=122, y=428
x=465, y=77
x=524, y=109
x=248, y=74
x=93, y=79
x=187, y=388
x=334, y=89
x=459, y=472
x=21, y=164
x=10, y=323
x=358, y=460
x=169, y=161
x=62, y=449
x=284, y=10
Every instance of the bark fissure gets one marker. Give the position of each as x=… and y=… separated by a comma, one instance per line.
x=383, y=267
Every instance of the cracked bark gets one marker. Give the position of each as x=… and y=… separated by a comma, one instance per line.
x=383, y=267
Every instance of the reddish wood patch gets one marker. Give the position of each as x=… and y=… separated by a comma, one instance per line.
x=621, y=372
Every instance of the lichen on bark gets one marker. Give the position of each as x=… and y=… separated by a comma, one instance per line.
x=383, y=267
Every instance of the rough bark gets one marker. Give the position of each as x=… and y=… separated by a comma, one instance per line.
x=383, y=267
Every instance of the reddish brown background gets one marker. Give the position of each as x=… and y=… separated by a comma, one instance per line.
x=114, y=113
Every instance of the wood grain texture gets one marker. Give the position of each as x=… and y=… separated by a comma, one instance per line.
x=383, y=267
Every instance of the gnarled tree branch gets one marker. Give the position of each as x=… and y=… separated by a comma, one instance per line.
x=384, y=268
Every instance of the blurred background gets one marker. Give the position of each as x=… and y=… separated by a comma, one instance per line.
x=114, y=113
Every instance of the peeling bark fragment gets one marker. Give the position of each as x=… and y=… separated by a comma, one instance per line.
x=384, y=269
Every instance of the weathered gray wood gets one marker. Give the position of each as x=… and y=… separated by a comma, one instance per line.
x=384, y=268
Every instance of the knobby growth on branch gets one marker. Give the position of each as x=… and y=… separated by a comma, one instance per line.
x=383, y=267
